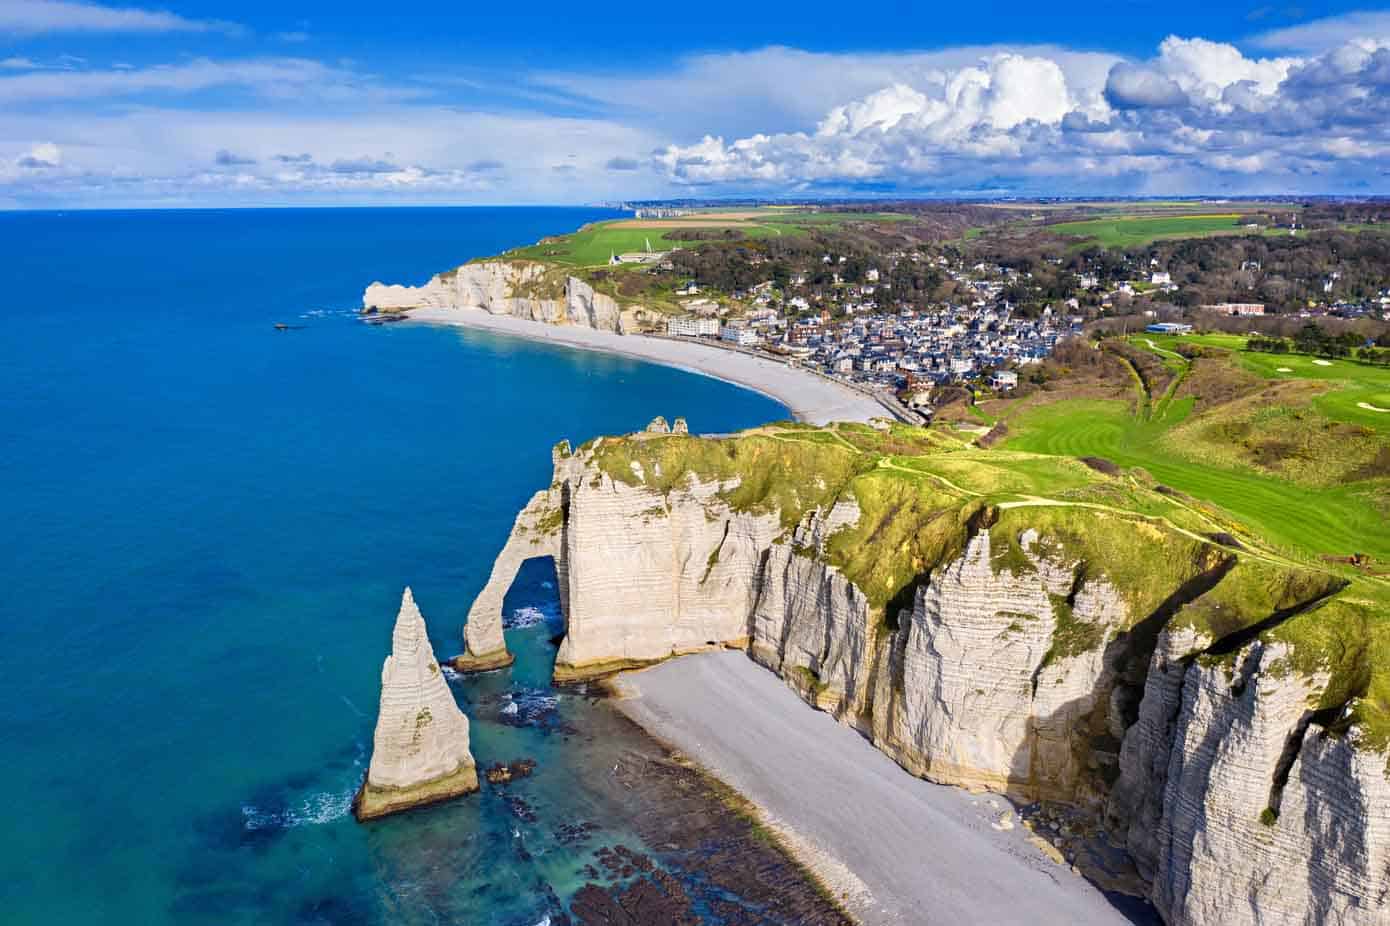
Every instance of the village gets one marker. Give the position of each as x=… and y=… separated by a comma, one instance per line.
x=844, y=318
x=862, y=335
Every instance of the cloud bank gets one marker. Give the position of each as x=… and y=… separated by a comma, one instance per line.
x=1198, y=112
x=1306, y=111
x=35, y=17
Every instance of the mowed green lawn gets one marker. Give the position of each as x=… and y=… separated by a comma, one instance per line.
x=1133, y=231
x=1358, y=384
x=1299, y=520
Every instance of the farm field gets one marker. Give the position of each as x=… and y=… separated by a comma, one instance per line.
x=1131, y=207
x=594, y=244
x=1134, y=231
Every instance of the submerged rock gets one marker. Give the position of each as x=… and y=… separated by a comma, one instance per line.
x=420, y=751
x=503, y=773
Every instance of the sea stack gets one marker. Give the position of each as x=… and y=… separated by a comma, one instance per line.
x=420, y=750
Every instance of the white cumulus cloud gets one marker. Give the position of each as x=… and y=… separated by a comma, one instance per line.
x=1324, y=34
x=979, y=110
x=33, y=17
x=42, y=156
x=1198, y=115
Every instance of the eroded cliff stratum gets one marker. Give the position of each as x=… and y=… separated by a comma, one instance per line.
x=524, y=289
x=1019, y=622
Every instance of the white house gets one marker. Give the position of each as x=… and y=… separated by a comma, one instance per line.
x=738, y=334
x=1237, y=308
x=688, y=326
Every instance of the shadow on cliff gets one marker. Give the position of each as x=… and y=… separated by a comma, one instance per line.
x=534, y=595
x=1095, y=726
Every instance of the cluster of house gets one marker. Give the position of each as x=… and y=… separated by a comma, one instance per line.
x=1153, y=281
x=907, y=350
x=657, y=212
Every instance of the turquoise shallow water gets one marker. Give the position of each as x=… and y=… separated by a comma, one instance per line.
x=207, y=525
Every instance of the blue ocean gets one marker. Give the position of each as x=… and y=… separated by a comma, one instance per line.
x=206, y=526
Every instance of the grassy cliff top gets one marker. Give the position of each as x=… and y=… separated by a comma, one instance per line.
x=1285, y=444
x=592, y=245
x=1175, y=559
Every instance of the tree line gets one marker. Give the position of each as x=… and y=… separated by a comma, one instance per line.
x=1314, y=340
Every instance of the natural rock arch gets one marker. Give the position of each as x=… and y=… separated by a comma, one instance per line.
x=537, y=532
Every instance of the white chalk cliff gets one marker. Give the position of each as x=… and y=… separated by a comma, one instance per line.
x=420, y=751
x=520, y=288
x=1025, y=673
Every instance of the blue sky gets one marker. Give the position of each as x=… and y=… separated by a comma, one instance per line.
x=202, y=103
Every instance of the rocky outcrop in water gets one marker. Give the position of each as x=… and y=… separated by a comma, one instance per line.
x=1081, y=655
x=420, y=751
x=524, y=289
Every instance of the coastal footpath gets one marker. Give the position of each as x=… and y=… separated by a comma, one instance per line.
x=1100, y=646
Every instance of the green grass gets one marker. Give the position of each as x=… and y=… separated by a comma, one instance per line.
x=1354, y=382
x=920, y=500
x=1380, y=228
x=1300, y=521
x=592, y=245
x=838, y=218
x=1135, y=231
x=1002, y=474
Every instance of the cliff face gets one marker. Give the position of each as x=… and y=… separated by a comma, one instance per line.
x=420, y=751
x=1061, y=650
x=1253, y=813
x=524, y=289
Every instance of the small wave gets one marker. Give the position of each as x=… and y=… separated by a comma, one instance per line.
x=450, y=673
x=524, y=617
x=329, y=313
x=544, y=922
x=530, y=707
x=547, y=584
x=317, y=808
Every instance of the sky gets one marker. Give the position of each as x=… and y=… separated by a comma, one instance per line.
x=190, y=104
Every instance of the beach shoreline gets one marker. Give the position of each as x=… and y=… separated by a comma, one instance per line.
x=809, y=396
x=893, y=848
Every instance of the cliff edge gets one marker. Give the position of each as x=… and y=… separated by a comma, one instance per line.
x=528, y=290
x=1011, y=621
